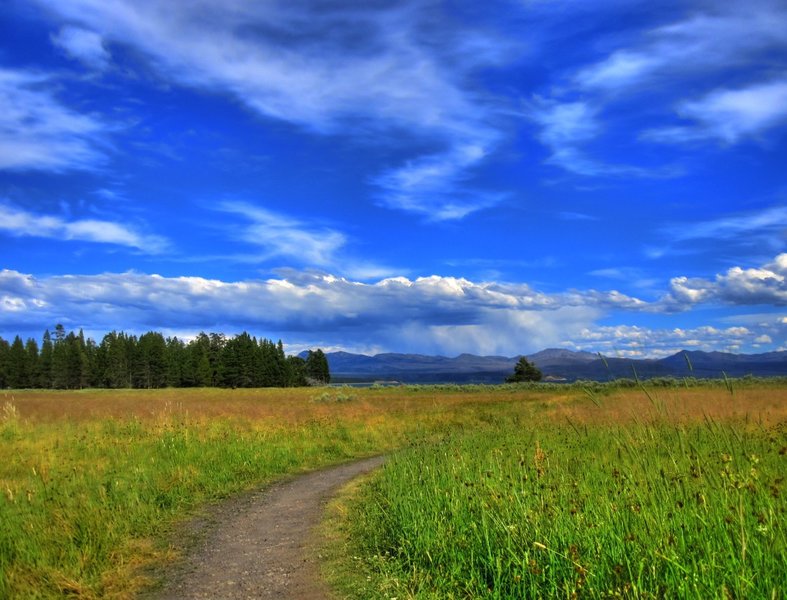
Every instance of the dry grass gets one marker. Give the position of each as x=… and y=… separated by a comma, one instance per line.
x=90, y=480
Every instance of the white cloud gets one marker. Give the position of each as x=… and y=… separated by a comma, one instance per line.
x=83, y=45
x=363, y=70
x=748, y=233
x=715, y=42
x=729, y=115
x=433, y=185
x=565, y=127
x=304, y=244
x=705, y=42
x=18, y=222
x=429, y=314
x=770, y=220
x=282, y=236
x=764, y=285
x=37, y=132
x=628, y=341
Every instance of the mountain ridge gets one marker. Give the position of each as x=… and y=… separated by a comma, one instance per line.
x=557, y=364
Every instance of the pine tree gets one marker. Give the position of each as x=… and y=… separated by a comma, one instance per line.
x=176, y=362
x=45, y=362
x=5, y=349
x=317, y=367
x=60, y=375
x=524, y=370
x=17, y=372
x=33, y=363
x=114, y=351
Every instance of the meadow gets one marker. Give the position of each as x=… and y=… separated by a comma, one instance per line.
x=512, y=491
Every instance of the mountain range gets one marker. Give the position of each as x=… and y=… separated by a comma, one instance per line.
x=555, y=363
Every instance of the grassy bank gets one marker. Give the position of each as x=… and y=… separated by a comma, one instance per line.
x=630, y=494
x=91, y=482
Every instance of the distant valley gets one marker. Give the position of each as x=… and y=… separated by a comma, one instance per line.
x=556, y=365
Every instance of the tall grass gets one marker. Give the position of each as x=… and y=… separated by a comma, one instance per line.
x=82, y=503
x=656, y=506
x=91, y=483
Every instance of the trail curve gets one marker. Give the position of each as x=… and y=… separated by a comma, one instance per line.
x=253, y=546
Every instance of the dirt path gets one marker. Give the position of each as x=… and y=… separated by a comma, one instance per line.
x=253, y=546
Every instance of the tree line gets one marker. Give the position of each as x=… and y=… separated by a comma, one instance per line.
x=68, y=360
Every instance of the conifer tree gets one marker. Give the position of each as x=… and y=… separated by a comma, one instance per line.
x=524, y=370
x=33, y=363
x=17, y=371
x=45, y=362
x=317, y=367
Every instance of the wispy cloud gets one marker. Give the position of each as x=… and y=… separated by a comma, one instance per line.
x=721, y=38
x=433, y=185
x=19, y=222
x=770, y=220
x=755, y=231
x=362, y=70
x=281, y=236
x=728, y=115
x=729, y=40
x=565, y=127
x=83, y=45
x=38, y=132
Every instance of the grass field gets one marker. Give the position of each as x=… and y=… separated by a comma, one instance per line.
x=643, y=494
x=478, y=502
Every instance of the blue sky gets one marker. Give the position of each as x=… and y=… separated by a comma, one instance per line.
x=418, y=176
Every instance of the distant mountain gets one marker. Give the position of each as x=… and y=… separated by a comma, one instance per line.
x=556, y=364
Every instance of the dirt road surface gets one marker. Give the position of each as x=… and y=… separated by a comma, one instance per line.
x=254, y=546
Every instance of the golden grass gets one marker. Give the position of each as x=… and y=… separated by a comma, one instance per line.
x=70, y=461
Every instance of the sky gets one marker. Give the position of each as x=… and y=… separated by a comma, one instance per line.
x=416, y=176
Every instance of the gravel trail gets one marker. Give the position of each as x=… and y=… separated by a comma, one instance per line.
x=254, y=546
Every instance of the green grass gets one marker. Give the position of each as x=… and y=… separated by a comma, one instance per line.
x=543, y=509
x=78, y=512
x=93, y=484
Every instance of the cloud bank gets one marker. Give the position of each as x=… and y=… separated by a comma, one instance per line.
x=428, y=314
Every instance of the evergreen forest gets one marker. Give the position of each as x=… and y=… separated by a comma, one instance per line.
x=68, y=360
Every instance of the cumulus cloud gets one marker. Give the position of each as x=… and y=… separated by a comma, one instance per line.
x=83, y=45
x=38, y=132
x=434, y=314
x=440, y=314
x=629, y=341
x=362, y=69
x=764, y=285
x=18, y=222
